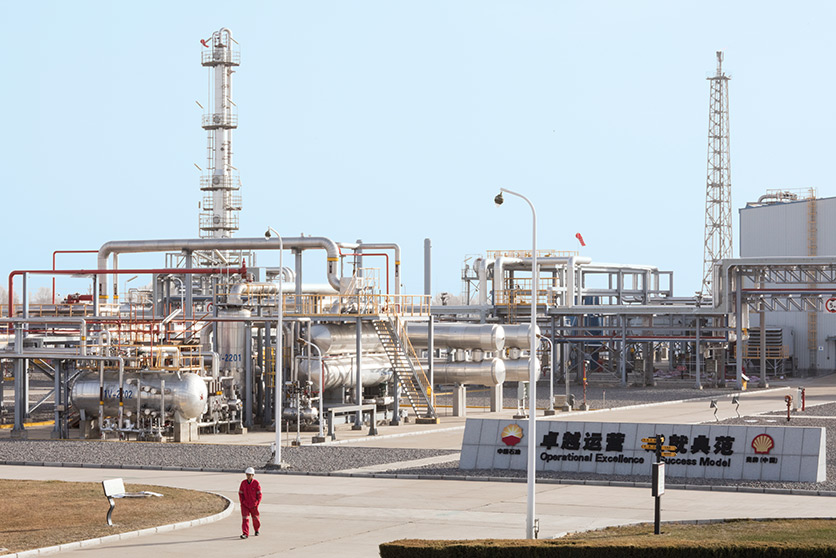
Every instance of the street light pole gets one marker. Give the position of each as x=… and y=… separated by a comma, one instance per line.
x=532, y=368
x=277, y=458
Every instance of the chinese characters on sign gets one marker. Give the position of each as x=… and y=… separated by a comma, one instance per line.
x=793, y=454
x=608, y=447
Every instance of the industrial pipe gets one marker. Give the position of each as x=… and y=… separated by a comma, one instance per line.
x=488, y=337
x=56, y=320
x=227, y=244
x=386, y=246
x=243, y=289
x=105, y=272
x=65, y=252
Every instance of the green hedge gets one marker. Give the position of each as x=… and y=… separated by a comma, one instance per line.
x=411, y=548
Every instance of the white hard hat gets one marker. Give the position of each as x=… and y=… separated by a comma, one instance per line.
x=249, y=471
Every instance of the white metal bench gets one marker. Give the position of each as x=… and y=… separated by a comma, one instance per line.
x=115, y=488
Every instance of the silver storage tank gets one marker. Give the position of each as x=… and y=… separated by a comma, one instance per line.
x=185, y=395
x=231, y=341
x=340, y=372
x=519, y=335
x=517, y=370
x=485, y=373
x=488, y=337
x=341, y=338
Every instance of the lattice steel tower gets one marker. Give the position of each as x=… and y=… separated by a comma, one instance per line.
x=718, y=216
x=221, y=200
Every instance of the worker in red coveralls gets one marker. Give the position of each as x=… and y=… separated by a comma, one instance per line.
x=249, y=496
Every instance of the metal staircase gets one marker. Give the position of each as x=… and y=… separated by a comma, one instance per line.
x=410, y=376
x=812, y=250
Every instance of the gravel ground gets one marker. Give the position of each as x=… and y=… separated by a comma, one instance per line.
x=599, y=396
x=328, y=459
x=312, y=459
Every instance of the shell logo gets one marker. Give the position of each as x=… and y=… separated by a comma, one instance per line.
x=763, y=443
x=511, y=435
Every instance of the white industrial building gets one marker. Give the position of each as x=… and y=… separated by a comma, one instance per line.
x=788, y=224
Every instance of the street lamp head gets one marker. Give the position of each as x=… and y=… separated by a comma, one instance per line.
x=267, y=234
x=498, y=200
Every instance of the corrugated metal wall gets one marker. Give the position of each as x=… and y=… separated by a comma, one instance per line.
x=781, y=230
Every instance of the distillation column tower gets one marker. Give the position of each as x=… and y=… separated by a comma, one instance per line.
x=220, y=184
x=718, y=216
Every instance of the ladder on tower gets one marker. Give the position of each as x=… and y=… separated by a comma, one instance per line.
x=408, y=372
x=812, y=250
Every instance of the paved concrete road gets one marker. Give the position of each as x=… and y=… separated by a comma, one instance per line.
x=309, y=516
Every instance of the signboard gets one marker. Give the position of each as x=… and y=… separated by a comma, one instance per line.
x=775, y=453
x=658, y=480
x=830, y=305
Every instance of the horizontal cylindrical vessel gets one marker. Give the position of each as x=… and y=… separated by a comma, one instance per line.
x=341, y=338
x=340, y=371
x=518, y=371
x=519, y=335
x=485, y=373
x=185, y=395
x=488, y=337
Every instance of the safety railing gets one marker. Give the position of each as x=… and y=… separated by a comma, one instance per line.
x=357, y=305
x=48, y=310
x=518, y=292
x=219, y=120
x=527, y=253
x=170, y=358
x=412, y=354
x=220, y=55
x=220, y=182
x=778, y=352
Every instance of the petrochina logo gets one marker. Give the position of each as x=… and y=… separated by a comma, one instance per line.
x=763, y=443
x=511, y=435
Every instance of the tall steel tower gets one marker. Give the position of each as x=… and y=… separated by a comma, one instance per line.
x=220, y=185
x=718, y=216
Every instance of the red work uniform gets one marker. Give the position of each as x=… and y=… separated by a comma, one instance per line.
x=249, y=496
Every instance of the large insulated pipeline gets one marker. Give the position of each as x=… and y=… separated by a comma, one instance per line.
x=502, y=263
x=518, y=370
x=487, y=337
x=116, y=247
x=341, y=338
x=519, y=335
x=481, y=265
x=484, y=373
x=340, y=371
x=499, y=272
x=243, y=290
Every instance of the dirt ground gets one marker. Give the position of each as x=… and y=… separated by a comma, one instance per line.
x=35, y=514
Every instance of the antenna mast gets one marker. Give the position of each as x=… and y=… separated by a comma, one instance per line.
x=718, y=216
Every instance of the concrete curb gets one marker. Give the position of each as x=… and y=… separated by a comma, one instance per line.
x=127, y=535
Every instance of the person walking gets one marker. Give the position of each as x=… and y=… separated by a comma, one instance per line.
x=249, y=496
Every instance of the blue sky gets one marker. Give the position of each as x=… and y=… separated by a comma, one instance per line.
x=398, y=121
